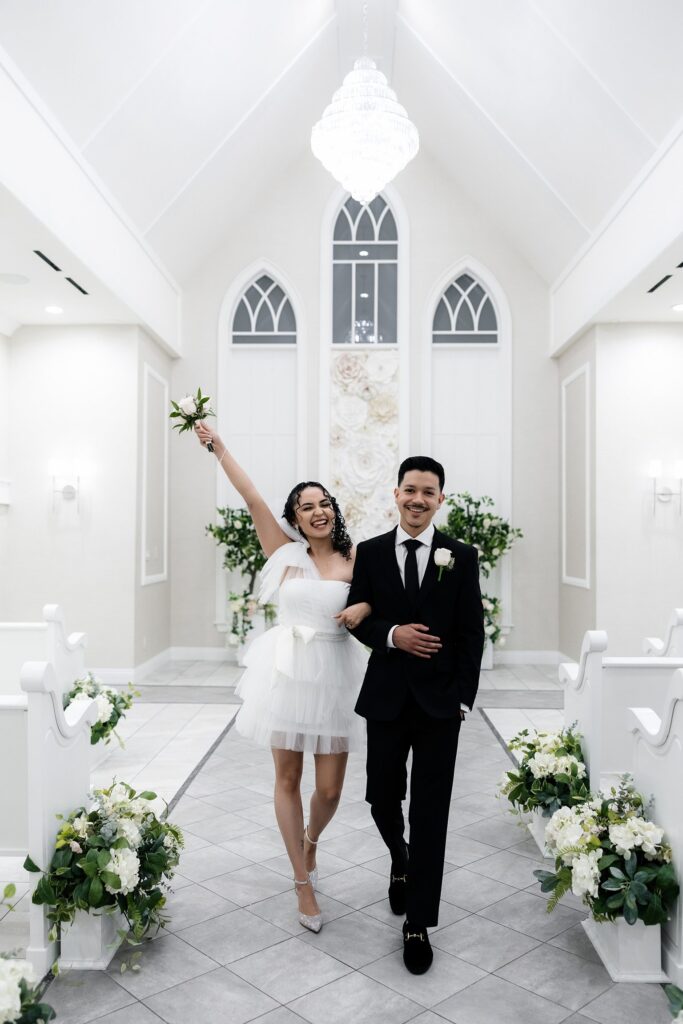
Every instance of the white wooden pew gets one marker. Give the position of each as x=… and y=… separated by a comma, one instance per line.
x=598, y=690
x=40, y=641
x=657, y=758
x=671, y=645
x=45, y=768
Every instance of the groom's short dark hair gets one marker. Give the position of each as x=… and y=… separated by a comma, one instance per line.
x=424, y=464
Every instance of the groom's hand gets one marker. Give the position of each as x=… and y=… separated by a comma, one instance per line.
x=416, y=639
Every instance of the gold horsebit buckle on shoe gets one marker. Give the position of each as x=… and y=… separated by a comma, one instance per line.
x=414, y=935
x=399, y=878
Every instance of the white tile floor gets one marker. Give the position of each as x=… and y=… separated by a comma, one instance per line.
x=234, y=951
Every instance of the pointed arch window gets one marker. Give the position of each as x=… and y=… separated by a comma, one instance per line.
x=465, y=314
x=365, y=268
x=264, y=315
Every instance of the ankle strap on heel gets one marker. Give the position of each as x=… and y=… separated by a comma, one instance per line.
x=313, y=842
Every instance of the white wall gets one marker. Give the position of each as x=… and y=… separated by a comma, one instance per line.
x=4, y=467
x=577, y=603
x=639, y=418
x=75, y=399
x=444, y=227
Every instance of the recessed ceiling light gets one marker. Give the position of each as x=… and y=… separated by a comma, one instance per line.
x=364, y=295
x=678, y=308
x=13, y=279
x=363, y=252
x=55, y=310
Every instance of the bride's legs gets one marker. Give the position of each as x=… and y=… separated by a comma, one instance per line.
x=290, y=819
x=329, y=779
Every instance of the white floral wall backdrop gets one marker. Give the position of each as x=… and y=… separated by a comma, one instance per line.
x=364, y=434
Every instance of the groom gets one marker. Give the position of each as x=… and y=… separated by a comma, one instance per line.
x=426, y=632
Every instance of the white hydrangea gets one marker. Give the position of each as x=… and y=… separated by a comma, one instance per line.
x=548, y=742
x=126, y=865
x=11, y=973
x=128, y=829
x=624, y=836
x=542, y=765
x=104, y=707
x=649, y=837
x=565, y=763
x=586, y=873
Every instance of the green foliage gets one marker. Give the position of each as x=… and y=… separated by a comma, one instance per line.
x=472, y=521
x=80, y=875
x=675, y=997
x=242, y=550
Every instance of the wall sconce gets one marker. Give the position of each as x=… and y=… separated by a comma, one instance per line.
x=661, y=492
x=66, y=483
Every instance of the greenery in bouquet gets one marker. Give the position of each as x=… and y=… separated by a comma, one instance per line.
x=551, y=772
x=112, y=705
x=242, y=551
x=607, y=852
x=242, y=608
x=117, y=855
x=190, y=409
x=20, y=995
x=472, y=521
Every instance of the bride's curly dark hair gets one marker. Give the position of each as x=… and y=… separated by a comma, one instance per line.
x=341, y=541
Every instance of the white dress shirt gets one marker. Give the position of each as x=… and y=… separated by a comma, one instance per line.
x=422, y=555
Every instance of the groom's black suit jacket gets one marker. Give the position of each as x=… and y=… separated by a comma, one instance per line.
x=452, y=609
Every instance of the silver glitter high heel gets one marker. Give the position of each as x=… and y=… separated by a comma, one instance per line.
x=312, y=875
x=313, y=922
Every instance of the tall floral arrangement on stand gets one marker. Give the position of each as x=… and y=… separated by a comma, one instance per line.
x=241, y=552
x=473, y=521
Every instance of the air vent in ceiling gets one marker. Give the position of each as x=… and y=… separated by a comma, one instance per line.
x=76, y=285
x=659, y=284
x=47, y=260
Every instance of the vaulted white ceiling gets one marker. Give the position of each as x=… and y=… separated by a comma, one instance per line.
x=544, y=112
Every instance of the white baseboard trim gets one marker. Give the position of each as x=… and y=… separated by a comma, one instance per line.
x=527, y=657
x=198, y=654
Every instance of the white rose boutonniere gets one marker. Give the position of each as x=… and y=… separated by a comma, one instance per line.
x=444, y=559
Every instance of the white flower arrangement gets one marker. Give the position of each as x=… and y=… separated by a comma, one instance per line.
x=444, y=559
x=610, y=855
x=551, y=772
x=19, y=993
x=111, y=705
x=117, y=855
x=189, y=410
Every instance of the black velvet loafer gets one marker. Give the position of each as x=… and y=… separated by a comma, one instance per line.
x=417, y=950
x=398, y=891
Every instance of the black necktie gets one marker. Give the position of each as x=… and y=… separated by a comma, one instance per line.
x=412, y=580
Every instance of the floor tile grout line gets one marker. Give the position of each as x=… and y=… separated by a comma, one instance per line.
x=193, y=774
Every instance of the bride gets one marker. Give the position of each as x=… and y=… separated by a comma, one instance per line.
x=302, y=678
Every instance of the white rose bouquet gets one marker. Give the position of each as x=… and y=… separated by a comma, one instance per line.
x=19, y=994
x=116, y=856
x=189, y=410
x=111, y=705
x=607, y=852
x=551, y=772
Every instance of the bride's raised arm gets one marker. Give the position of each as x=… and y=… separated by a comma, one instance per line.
x=270, y=535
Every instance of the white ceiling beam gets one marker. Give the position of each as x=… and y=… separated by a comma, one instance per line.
x=381, y=31
x=641, y=226
x=40, y=166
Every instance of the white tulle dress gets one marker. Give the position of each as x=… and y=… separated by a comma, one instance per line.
x=302, y=677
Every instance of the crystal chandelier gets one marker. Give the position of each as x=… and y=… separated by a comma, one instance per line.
x=365, y=136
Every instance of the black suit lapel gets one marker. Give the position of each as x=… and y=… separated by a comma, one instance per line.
x=431, y=572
